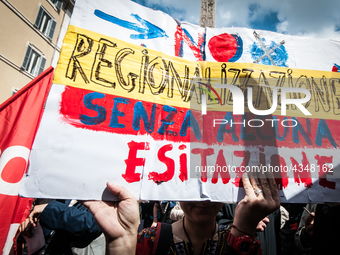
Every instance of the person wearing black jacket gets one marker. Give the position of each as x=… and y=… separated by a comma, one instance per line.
x=65, y=225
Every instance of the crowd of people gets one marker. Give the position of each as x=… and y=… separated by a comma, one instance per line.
x=258, y=224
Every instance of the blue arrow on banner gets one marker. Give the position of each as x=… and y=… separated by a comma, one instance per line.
x=145, y=28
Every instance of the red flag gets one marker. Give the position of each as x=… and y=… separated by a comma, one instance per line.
x=19, y=120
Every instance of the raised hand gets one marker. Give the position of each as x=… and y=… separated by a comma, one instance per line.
x=35, y=214
x=25, y=228
x=260, y=200
x=262, y=224
x=118, y=220
x=309, y=224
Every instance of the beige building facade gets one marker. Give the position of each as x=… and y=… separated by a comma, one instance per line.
x=31, y=36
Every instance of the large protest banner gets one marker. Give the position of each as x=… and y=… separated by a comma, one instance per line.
x=131, y=22
x=19, y=119
x=132, y=115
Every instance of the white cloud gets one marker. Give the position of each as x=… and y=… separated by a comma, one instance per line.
x=318, y=18
x=282, y=27
x=302, y=17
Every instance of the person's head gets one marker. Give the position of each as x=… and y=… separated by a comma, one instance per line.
x=201, y=211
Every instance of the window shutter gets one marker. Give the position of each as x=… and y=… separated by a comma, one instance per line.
x=52, y=29
x=42, y=65
x=59, y=4
x=27, y=57
x=38, y=19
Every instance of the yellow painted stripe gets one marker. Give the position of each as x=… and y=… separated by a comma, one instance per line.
x=100, y=63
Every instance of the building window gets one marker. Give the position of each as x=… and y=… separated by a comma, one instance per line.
x=45, y=23
x=14, y=90
x=57, y=3
x=33, y=62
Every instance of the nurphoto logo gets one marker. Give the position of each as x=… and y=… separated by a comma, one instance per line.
x=238, y=99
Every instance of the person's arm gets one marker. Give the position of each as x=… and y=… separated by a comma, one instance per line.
x=118, y=220
x=307, y=232
x=260, y=200
x=253, y=208
x=57, y=215
x=262, y=224
x=35, y=213
x=303, y=237
x=33, y=236
x=155, y=213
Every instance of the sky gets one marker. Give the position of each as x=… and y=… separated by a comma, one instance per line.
x=311, y=18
